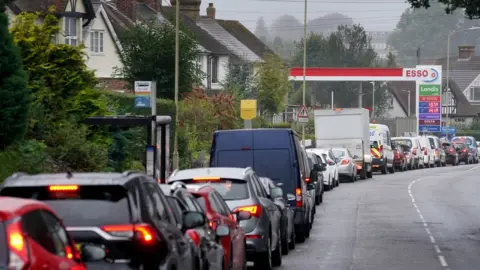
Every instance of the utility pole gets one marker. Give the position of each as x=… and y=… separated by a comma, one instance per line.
x=304, y=64
x=373, y=99
x=360, y=95
x=177, y=60
x=409, y=109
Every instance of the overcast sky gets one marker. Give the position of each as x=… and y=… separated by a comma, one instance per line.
x=372, y=14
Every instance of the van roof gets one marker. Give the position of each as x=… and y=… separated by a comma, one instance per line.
x=256, y=129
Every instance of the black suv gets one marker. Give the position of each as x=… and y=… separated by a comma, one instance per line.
x=126, y=213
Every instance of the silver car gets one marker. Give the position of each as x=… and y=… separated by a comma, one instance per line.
x=346, y=165
x=243, y=192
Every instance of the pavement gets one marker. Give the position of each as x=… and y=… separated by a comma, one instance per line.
x=425, y=219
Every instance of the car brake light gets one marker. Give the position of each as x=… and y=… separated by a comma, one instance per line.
x=206, y=178
x=298, y=198
x=213, y=225
x=452, y=150
x=464, y=150
x=414, y=151
x=63, y=188
x=345, y=162
x=307, y=179
x=254, y=210
x=18, y=257
x=143, y=232
x=194, y=236
x=425, y=152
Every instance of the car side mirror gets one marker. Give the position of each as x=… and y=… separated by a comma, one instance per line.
x=243, y=215
x=276, y=192
x=91, y=253
x=323, y=167
x=279, y=184
x=192, y=219
x=310, y=187
x=317, y=167
x=222, y=230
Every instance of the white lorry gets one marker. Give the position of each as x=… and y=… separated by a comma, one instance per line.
x=346, y=128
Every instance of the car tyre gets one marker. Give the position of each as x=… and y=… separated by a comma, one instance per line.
x=285, y=244
x=369, y=174
x=277, y=254
x=384, y=169
x=264, y=261
x=300, y=235
x=292, y=243
x=392, y=169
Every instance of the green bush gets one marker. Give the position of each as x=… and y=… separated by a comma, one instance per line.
x=282, y=125
x=473, y=133
x=29, y=156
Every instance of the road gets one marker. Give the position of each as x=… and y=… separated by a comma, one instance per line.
x=425, y=219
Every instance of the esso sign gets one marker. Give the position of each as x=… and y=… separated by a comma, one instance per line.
x=425, y=74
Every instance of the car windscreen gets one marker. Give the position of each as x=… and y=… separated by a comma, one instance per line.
x=3, y=246
x=230, y=189
x=403, y=142
x=463, y=140
x=339, y=153
x=177, y=211
x=86, y=206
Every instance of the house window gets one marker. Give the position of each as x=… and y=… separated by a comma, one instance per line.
x=96, y=41
x=475, y=93
x=200, y=62
x=71, y=37
x=215, y=69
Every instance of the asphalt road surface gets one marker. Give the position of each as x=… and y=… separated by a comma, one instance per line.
x=425, y=219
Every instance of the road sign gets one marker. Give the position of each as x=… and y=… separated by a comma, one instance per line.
x=429, y=105
x=143, y=91
x=302, y=115
x=248, y=109
x=449, y=130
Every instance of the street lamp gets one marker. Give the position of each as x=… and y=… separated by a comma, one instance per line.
x=177, y=60
x=409, y=92
x=448, y=69
x=304, y=63
x=373, y=99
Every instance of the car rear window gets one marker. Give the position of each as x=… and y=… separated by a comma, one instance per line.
x=201, y=202
x=88, y=206
x=403, y=141
x=230, y=189
x=462, y=140
x=339, y=153
x=3, y=245
x=460, y=145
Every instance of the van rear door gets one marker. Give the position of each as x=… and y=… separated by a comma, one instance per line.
x=232, y=149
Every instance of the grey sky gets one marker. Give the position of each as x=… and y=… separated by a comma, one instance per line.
x=372, y=14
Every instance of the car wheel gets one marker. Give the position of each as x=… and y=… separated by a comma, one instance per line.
x=264, y=261
x=291, y=245
x=300, y=234
x=285, y=247
x=384, y=169
x=369, y=174
x=277, y=254
x=392, y=169
x=308, y=228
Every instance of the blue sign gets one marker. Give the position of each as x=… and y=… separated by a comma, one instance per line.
x=429, y=116
x=429, y=111
x=429, y=128
x=423, y=104
x=142, y=102
x=449, y=130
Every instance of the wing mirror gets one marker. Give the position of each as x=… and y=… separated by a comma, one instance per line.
x=192, y=219
x=291, y=197
x=323, y=167
x=310, y=187
x=243, y=215
x=222, y=230
x=317, y=167
x=276, y=192
x=91, y=253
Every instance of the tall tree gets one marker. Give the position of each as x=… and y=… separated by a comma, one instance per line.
x=471, y=9
x=328, y=22
x=148, y=53
x=349, y=46
x=277, y=45
x=14, y=94
x=261, y=30
x=239, y=79
x=428, y=30
x=272, y=84
x=391, y=60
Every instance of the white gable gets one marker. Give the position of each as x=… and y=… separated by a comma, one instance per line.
x=79, y=6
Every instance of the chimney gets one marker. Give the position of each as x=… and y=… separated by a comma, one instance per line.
x=128, y=8
x=191, y=8
x=466, y=51
x=211, y=11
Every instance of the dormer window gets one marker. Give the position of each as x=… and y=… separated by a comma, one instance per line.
x=71, y=37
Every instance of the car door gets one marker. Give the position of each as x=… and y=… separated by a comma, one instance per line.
x=49, y=241
x=165, y=220
x=335, y=164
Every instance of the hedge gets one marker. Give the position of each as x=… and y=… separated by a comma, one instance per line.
x=473, y=133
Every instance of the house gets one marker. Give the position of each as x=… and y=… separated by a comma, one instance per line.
x=220, y=42
x=87, y=22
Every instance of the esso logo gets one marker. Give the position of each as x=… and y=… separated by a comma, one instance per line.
x=427, y=75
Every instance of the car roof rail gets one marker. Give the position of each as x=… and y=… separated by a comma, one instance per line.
x=128, y=173
x=18, y=174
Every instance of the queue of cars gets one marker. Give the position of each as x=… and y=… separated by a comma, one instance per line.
x=254, y=203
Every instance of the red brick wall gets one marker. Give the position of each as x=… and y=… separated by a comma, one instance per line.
x=114, y=84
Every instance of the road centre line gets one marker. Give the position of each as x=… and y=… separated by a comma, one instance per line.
x=441, y=258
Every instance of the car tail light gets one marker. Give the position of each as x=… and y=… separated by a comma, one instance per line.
x=19, y=258
x=414, y=151
x=254, y=236
x=307, y=179
x=63, y=188
x=194, y=236
x=465, y=150
x=213, y=225
x=380, y=148
x=345, y=162
x=254, y=210
x=436, y=152
x=425, y=152
x=452, y=150
x=298, y=198
x=142, y=232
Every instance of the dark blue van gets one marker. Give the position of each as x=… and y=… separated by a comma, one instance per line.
x=273, y=153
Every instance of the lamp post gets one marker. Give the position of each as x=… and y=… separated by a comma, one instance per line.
x=373, y=99
x=409, y=93
x=304, y=64
x=448, y=72
x=177, y=60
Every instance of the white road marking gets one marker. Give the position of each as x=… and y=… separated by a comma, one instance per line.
x=441, y=258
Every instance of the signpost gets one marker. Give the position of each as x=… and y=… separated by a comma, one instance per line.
x=143, y=92
x=302, y=115
x=248, y=111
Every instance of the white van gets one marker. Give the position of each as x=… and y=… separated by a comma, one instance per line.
x=428, y=152
x=381, y=149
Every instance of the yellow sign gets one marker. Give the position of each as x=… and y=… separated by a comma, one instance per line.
x=248, y=109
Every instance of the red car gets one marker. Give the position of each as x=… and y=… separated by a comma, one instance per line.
x=33, y=237
x=218, y=214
